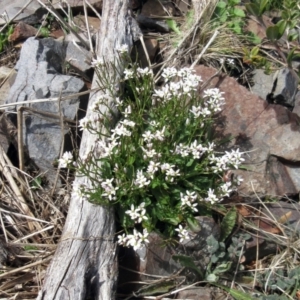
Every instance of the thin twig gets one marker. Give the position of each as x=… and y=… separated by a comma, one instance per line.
x=204, y=49
x=145, y=51
x=88, y=27
x=68, y=97
x=62, y=134
x=93, y=9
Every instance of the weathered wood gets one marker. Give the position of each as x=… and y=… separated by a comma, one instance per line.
x=85, y=265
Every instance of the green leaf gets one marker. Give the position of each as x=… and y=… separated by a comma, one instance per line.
x=254, y=51
x=221, y=4
x=273, y=33
x=190, y=162
x=253, y=9
x=291, y=56
x=187, y=262
x=156, y=288
x=228, y=224
x=238, y=12
x=174, y=220
x=262, y=6
x=233, y=2
x=212, y=278
x=281, y=27
x=239, y=295
x=193, y=224
x=173, y=26
x=222, y=268
x=293, y=36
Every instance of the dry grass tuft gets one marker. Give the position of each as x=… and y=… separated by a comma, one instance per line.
x=31, y=224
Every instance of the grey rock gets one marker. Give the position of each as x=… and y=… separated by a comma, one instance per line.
x=268, y=134
x=39, y=77
x=32, y=14
x=296, y=109
x=285, y=87
x=277, y=88
x=79, y=58
x=263, y=84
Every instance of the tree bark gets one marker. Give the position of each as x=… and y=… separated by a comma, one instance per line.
x=85, y=265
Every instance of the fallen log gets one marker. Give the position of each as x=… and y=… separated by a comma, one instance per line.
x=85, y=265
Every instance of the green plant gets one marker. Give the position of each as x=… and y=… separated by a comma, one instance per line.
x=4, y=36
x=36, y=183
x=158, y=166
x=227, y=12
x=279, y=281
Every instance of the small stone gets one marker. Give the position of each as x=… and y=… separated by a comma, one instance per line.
x=22, y=31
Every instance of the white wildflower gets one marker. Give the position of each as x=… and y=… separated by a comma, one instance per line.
x=84, y=123
x=122, y=49
x=230, y=61
x=127, y=111
x=144, y=72
x=148, y=136
x=211, y=197
x=182, y=234
x=97, y=62
x=152, y=168
x=122, y=239
x=65, y=160
x=169, y=73
x=109, y=189
x=128, y=74
x=225, y=189
x=159, y=134
x=188, y=200
x=127, y=122
x=141, y=179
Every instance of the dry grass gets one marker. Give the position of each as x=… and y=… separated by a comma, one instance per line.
x=31, y=225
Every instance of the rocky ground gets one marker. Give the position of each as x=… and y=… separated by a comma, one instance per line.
x=45, y=69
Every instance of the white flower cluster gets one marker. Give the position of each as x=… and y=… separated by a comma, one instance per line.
x=109, y=189
x=182, y=234
x=136, y=240
x=130, y=73
x=211, y=196
x=137, y=214
x=97, y=62
x=157, y=135
x=106, y=148
x=122, y=49
x=187, y=201
x=171, y=173
x=148, y=137
x=214, y=100
x=230, y=61
x=65, y=160
x=141, y=179
x=187, y=83
x=195, y=149
x=79, y=192
x=92, y=122
x=144, y=72
x=225, y=162
x=223, y=190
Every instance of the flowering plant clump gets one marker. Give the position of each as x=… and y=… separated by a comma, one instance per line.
x=157, y=167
